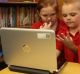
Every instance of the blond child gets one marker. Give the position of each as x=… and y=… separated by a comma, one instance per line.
x=69, y=38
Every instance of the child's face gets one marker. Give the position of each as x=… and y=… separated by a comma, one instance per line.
x=71, y=15
x=48, y=14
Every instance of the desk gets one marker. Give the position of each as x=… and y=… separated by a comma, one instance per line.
x=7, y=71
x=69, y=68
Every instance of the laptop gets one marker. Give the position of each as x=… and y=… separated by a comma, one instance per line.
x=30, y=50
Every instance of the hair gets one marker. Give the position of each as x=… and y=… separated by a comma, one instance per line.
x=76, y=2
x=44, y=3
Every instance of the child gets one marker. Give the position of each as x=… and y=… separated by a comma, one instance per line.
x=69, y=38
x=47, y=10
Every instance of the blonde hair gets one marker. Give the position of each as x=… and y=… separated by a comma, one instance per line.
x=75, y=2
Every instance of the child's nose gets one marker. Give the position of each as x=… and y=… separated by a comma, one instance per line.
x=48, y=18
x=68, y=17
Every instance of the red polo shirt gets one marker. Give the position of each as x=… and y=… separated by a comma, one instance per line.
x=69, y=54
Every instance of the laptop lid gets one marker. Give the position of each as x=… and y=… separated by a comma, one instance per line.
x=33, y=48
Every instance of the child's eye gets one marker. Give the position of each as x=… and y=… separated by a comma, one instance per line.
x=49, y=15
x=73, y=14
x=64, y=15
x=45, y=15
x=53, y=14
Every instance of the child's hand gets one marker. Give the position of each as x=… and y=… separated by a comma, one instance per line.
x=46, y=26
x=67, y=41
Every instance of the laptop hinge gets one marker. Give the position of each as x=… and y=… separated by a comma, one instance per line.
x=28, y=70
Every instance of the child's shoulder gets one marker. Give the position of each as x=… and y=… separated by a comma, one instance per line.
x=37, y=25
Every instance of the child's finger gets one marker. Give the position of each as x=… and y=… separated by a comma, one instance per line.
x=45, y=24
x=49, y=25
x=68, y=36
x=41, y=27
x=59, y=38
x=63, y=36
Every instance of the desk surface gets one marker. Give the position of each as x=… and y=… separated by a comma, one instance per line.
x=69, y=68
x=7, y=71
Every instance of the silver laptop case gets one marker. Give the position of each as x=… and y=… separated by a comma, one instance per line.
x=33, y=48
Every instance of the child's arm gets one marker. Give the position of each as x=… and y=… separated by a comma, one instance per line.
x=57, y=53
